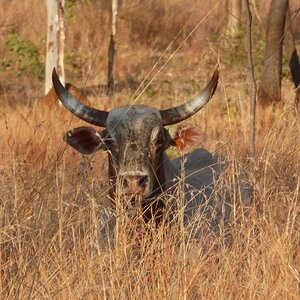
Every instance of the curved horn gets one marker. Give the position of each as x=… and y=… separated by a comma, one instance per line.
x=177, y=114
x=84, y=112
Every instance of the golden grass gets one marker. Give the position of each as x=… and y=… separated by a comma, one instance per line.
x=55, y=215
x=58, y=239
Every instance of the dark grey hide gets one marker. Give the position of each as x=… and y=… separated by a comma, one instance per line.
x=135, y=140
x=139, y=168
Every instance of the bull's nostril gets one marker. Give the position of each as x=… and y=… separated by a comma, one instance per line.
x=134, y=184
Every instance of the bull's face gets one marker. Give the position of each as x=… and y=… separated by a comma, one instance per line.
x=134, y=137
x=135, y=140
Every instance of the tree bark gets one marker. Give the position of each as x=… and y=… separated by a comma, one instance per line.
x=252, y=82
x=52, y=43
x=55, y=42
x=61, y=41
x=292, y=55
x=112, y=50
x=270, y=86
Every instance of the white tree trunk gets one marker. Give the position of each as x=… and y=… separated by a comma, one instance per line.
x=61, y=41
x=55, y=42
x=52, y=43
x=114, y=16
x=111, y=50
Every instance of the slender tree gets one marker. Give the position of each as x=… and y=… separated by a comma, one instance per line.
x=252, y=81
x=291, y=52
x=55, y=41
x=52, y=45
x=270, y=86
x=61, y=41
x=112, y=49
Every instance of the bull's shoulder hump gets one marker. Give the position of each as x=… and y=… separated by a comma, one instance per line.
x=199, y=165
x=199, y=158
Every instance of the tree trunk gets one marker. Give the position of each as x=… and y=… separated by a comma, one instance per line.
x=252, y=82
x=111, y=50
x=270, y=86
x=52, y=43
x=292, y=56
x=61, y=41
x=234, y=16
x=55, y=42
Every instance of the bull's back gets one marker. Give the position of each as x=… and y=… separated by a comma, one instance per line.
x=207, y=194
x=200, y=168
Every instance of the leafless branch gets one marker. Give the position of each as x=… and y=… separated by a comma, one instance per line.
x=252, y=82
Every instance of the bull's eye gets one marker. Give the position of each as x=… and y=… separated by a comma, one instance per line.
x=156, y=145
x=159, y=145
x=111, y=144
x=157, y=141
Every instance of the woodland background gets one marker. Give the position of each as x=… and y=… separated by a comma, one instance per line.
x=53, y=202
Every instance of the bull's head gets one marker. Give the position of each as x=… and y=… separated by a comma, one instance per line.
x=135, y=138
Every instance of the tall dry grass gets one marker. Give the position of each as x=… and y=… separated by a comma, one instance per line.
x=58, y=236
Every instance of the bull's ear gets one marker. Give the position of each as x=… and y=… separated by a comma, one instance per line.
x=185, y=136
x=84, y=139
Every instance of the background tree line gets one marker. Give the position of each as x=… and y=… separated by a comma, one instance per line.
x=275, y=25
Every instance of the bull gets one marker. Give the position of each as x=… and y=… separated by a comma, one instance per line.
x=139, y=169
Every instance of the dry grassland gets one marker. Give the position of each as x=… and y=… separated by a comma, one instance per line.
x=59, y=238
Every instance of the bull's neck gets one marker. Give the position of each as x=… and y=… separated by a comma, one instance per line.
x=164, y=175
x=170, y=172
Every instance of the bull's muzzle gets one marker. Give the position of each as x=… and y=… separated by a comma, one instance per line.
x=135, y=184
